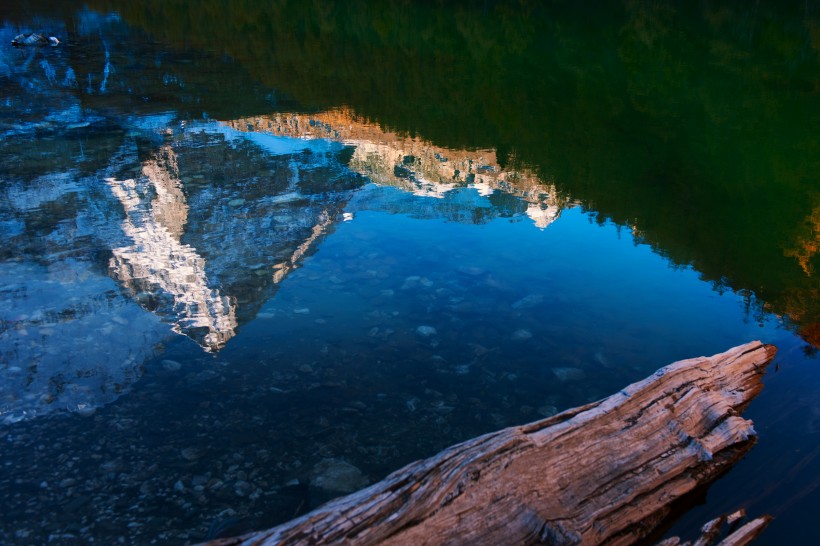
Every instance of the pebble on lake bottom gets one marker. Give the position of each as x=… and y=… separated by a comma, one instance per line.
x=521, y=335
x=569, y=374
x=426, y=331
x=337, y=476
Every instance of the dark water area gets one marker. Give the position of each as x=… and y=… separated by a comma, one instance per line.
x=257, y=256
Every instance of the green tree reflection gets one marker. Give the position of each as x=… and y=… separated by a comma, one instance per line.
x=696, y=125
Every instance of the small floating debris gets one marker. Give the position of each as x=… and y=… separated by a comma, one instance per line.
x=34, y=39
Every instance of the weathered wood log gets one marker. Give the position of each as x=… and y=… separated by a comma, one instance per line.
x=714, y=529
x=747, y=533
x=603, y=473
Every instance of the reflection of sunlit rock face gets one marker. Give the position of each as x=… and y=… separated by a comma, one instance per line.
x=414, y=165
x=69, y=340
x=157, y=268
x=168, y=207
x=217, y=219
x=543, y=215
x=198, y=239
x=257, y=206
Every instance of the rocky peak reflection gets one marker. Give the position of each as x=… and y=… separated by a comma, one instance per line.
x=274, y=187
x=414, y=165
x=159, y=271
x=214, y=221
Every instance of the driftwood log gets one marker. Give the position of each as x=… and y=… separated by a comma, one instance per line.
x=735, y=534
x=603, y=473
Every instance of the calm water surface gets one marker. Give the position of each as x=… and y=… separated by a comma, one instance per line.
x=236, y=284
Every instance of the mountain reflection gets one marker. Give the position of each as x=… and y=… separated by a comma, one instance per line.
x=201, y=224
x=286, y=185
x=122, y=195
x=415, y=165
x=163, y=274
x=695, y=124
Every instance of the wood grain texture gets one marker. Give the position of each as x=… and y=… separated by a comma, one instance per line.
x=603, y=473
x=747, y=533
x=725, y=526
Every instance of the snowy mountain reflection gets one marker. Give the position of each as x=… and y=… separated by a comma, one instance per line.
x=198, y=223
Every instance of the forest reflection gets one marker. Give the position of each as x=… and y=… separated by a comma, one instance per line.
x=697, y=125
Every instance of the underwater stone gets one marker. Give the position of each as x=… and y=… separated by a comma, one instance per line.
x=470, y=271
x=191, y=453
x=521, y=335
x=569, y=374
x=242, y=488
x=426, y=331
x=171, y=365
x=528, y=301
x=85, y=410
x=337, y=475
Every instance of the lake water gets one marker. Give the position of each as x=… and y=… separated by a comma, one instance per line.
x=240, y=277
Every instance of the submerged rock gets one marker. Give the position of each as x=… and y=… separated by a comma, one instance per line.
x=569, y=374
x=529, y=301
x=547, y=410
x=191, y=453
x=338, y=476
x=521, y=335
x=426, y=331
x=171, y=365
x=470, y=271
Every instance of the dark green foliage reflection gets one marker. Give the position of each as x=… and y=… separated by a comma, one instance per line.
x=696, y=125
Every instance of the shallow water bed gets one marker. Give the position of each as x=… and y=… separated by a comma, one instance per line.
x=398, y=336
